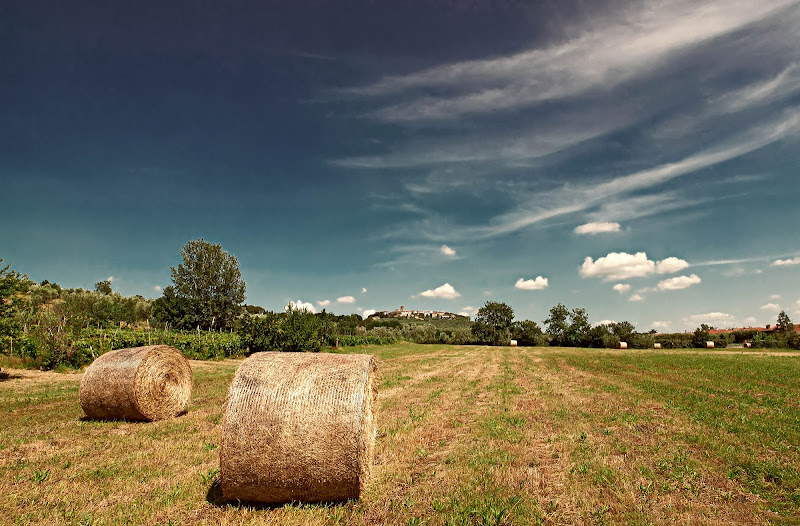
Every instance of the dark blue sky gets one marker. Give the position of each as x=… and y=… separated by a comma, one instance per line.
x=436, y=155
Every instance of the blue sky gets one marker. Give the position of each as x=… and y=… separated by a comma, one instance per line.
x=638, y=159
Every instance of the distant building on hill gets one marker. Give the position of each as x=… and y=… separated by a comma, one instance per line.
x=768, y=329
x=417, y=314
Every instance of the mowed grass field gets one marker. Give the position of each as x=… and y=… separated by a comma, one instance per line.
x=466, y=435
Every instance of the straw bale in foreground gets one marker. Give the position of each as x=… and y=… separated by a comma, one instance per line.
x=142, y=383
x=299, y=427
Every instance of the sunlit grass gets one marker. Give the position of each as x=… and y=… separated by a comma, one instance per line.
x=466, y=435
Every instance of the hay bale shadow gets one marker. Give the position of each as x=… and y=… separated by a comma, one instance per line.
x=4, y=376
x=85, y=418
x=215, y=497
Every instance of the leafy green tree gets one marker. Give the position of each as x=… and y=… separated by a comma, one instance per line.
x=169, y=308
x=103, y=287
x=784, y=323
x=701, y=336
x=493, y=323
x=528, y=333
x=579, y=327
x=787, y=334
x=211, y=284
x=557, y=325
x=623, y=330
x=11, y=282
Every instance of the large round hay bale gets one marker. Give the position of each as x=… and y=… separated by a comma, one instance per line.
x=143, y=383
x=299, y=427
x=656, y=345
x=622, y=345
x=709, y=345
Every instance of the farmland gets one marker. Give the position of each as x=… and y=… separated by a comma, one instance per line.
x=466, y=435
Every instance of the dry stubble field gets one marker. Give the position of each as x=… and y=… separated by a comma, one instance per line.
x=466, y=435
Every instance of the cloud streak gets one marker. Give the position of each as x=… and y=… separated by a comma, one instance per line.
x=602, y=56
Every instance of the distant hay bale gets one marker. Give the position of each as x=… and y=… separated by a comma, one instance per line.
x=513, y=343
x=709, y=345
x=623, y=345
x=748, y=345
x=143, y=383
x=656, y=346
x=299, y=427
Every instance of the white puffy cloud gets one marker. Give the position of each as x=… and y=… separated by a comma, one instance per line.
x=775, y=297
x=617, y=266
x=786, y=262
x=299, y=305
x=531, y=284
x=605, y=322
x=110, y=279
x=157, y=288
x=661, y=324
x=597, y=228
x=622, y=288
x=468, y=311
x=324, y=303
x=346, y=299
x=363, y=290
x=711, y=318
x=445, y=291
x=636, y=297
x=670, y=265
x=679, y=282
x=367, y=313
x=447, y=251
x=771, y=306
x=750, y=320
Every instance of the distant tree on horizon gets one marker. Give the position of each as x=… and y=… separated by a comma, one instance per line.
x=209, y=283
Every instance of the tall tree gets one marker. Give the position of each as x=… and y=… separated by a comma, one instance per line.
x=493, y=323
x=103, y=287
x=210, y=282
x=11, y=282
x=579, y=327
x=784, y=324
x=557, y=325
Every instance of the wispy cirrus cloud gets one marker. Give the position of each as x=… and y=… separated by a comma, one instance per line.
x=605, y=55
x=574, y=198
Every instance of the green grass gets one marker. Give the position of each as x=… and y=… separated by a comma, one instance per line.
x=466, y=436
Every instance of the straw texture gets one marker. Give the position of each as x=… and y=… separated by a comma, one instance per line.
x=143, y=383
x=299, y=427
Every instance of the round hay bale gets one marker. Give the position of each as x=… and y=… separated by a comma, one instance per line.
x=143, y=383
x=709, y=345
x=299, y=427
x=513, y=343
x=623, y=345
x=656, y=346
